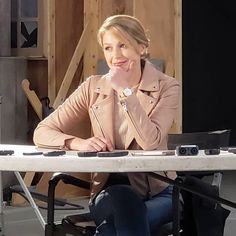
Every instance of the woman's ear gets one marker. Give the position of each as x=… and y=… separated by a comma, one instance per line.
x=143, y=52
x=142, y=49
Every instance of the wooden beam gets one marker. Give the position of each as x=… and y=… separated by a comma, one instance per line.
x=5, y=30
x=33, y=98
x=74, y=63
x=178, y=59
x=51, y=50
x=91, y=14
x=170, y=70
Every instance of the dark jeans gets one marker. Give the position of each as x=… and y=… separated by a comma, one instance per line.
x=119, y=211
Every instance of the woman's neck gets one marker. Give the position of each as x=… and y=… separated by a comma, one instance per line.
x=135, y=80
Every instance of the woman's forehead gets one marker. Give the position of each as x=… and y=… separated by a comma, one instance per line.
x=114, y=33
x=119, y=35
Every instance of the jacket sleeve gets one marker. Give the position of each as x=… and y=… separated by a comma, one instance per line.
x=150, y=130
x=63, y=123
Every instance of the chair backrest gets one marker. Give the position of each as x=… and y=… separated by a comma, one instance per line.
x=204, y=140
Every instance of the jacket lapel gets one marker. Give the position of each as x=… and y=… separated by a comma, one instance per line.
x=148, y=104
x=148, y=94
x=103, y=110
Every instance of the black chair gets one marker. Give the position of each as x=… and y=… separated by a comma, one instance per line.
x=204, y=140
x=80, y=224
x=77, y=224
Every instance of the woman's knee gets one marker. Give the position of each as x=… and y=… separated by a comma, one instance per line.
x=123, y=193
x=124, y=207
x=118, y=199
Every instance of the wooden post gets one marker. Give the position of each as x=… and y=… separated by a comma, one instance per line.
x=0, y=117
x=14, y=104
x=91, y=10
x=5, y=24
x=178, y=59
x=13, y=114
x=51, y=51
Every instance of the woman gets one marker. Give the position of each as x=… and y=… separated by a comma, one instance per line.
x=130, y=107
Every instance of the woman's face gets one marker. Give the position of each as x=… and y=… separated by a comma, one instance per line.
x=119, y=52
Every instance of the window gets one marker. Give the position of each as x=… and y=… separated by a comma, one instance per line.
x=27, y=28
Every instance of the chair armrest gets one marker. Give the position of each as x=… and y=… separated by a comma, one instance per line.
x=67, y=179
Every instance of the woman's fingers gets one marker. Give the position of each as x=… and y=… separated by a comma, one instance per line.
x=90, y=144
x=100, y=144
x=109, y=145
x=105, y=144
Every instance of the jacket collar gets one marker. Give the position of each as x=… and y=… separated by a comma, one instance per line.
x=103, y=87
x=149, y=80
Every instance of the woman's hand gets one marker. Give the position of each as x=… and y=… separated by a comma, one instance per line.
x=90, y=144
x=119, y=77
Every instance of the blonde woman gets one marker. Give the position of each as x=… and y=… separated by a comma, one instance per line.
x=130, y=107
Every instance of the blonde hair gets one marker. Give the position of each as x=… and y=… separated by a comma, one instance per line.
x=128, y=26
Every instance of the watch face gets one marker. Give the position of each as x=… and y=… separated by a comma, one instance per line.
x=127, y=92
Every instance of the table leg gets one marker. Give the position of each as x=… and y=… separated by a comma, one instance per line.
x=30, y=199
x=2, y=230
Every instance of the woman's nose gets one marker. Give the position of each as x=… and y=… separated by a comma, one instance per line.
x=116, y=52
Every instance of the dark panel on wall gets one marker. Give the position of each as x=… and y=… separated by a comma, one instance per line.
x=209, y=74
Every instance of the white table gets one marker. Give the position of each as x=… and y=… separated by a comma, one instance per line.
x=72, y=163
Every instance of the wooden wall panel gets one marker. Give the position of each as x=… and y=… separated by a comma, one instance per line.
x=113, y=7
x=37, y=74
x=67, y=19
x=13, y=124
x=157, y=17
x=69, y=26
x=5, y=28
x=91, y=15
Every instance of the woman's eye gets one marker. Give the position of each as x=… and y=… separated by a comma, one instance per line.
x=107, y=48
x=123, y=45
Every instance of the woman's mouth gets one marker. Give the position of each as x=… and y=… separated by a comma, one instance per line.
x=120, y=63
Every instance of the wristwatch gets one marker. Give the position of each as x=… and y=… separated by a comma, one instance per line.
x=127, y=92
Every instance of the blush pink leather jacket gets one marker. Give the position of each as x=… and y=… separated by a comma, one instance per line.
x=149, y=113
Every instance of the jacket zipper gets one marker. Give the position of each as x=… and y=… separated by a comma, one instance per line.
x=98, y=122
x=130, y=116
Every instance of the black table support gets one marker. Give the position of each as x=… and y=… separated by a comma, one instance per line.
x=179, y=184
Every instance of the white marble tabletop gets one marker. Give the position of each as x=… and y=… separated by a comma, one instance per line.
x=138, y=163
